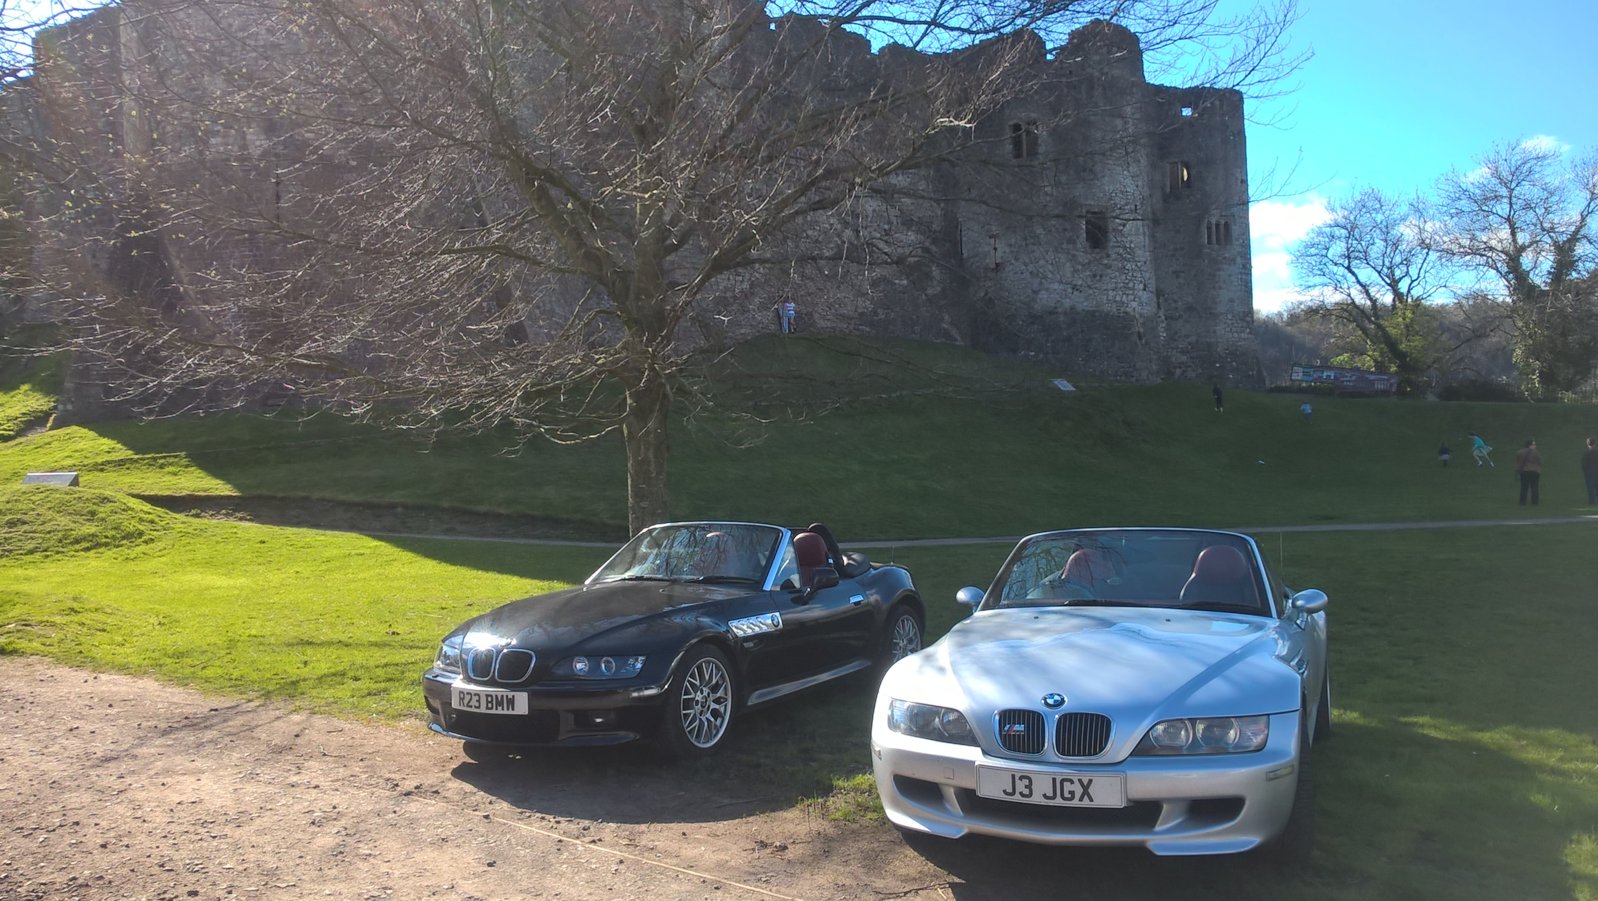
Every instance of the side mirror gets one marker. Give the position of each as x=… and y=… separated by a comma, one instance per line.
x=969, y=596
x=1310, y=600
x=823, y=577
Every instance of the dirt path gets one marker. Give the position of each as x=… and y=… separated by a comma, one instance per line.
x=121, y=787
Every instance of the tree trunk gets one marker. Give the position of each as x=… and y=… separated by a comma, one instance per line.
x=645, y=431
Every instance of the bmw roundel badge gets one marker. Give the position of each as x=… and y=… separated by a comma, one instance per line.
x=1054, y=700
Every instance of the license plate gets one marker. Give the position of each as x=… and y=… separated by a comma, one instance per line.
x=479, y=700
x=1055, y=789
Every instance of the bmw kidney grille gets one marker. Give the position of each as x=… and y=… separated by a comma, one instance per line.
x=1081, y=734
x=509, y=665
x=514, y=665
x=1021, y=731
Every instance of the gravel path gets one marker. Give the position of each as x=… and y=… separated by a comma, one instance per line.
x=121, y=787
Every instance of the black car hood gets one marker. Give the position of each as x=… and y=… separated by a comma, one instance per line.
x=654, y=611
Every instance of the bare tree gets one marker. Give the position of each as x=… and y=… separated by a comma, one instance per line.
x=1525, y=219
x=1372, y=265
x=483, y=212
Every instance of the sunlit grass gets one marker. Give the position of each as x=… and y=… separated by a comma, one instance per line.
x=334, y=621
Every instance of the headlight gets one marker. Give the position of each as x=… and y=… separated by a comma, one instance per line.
x=600, y=667
x=1213, y=735
x=927, y=721
x=449, y=654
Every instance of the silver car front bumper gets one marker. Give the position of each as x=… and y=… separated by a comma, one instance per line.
x=1218, y=804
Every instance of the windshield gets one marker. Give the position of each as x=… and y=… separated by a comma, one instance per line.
x=695, y=552
x=1131, y=567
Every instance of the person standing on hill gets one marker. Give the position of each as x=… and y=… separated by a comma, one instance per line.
x=786, y=309
x=1589, y=470
x=1215, y=392
x=1480, y=450
x=1529, y=464
x=1444, y=454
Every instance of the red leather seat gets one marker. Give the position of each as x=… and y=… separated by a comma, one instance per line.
x=810, y=552
x=1220, y=575
x=1086, y=571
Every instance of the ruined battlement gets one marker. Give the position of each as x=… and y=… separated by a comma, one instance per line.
x=1094, y=219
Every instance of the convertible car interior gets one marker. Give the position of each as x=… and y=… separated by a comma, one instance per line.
x=1162, y=570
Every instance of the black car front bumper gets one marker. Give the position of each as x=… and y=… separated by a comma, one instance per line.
x=573, y=716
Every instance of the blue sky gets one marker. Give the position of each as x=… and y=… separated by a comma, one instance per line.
x=1401, y=91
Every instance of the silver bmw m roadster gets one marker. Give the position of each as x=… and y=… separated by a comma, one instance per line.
x=1154, y=687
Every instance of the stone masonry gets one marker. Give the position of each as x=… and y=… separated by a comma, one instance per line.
x=1099, y=222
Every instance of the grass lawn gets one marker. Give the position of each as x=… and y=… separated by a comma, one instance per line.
x=1464, y=766
x=924, y=440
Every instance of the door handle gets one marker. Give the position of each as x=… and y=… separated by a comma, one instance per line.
x=857, y=600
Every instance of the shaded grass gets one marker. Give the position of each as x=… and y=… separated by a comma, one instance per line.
x=928, y=440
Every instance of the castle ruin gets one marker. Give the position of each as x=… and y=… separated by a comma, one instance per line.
x=1095, y=220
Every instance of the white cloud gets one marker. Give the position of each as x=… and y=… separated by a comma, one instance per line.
x=1545, y=143
x=1275, y=226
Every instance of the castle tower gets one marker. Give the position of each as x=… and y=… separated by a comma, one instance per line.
x=1103, y=221
x=1202, y=263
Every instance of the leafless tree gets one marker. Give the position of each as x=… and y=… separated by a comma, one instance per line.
x=1373, y=266
x=1525, y=219
x=485, y=212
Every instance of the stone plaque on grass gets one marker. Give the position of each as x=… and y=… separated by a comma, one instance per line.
x=64, y=479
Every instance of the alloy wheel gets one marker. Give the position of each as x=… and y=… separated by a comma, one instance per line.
x=906, y=638
x=706, y=702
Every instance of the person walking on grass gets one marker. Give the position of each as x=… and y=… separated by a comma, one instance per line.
x=1444, y=454
x=1589, y=471
x=786, y=309
x=1480, y=450
x=1529, y=464
x=1215, y=392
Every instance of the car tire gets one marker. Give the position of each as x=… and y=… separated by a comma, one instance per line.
x=699, y=704
x=1292, y=847
x=1323, y=711
x=902, y=635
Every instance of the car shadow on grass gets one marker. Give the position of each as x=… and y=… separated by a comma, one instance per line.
x=796, y=751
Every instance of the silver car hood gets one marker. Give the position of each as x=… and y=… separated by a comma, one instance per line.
x=1137, y=665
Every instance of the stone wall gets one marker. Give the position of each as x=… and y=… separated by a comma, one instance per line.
x=1097, y=221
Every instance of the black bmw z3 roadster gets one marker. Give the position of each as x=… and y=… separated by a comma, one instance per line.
x=682, y=629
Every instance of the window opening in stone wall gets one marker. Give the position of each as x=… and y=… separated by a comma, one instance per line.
x=1096, y=229
x=1024, y=140
x=1218, y=232
x=1178, y=176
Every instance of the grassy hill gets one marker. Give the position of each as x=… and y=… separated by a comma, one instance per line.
x=889, y=439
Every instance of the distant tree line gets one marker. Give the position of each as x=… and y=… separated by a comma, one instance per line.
x=1489, y=279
